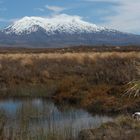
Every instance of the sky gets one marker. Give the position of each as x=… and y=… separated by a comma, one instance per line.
x=123, y=15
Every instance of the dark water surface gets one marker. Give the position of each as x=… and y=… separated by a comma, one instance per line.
x=36, y=115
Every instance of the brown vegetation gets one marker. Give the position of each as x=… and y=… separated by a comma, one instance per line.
x=93, y=80
x=124, y=128
x=74, y=49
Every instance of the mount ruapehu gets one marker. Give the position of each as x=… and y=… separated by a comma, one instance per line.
x=62, y=30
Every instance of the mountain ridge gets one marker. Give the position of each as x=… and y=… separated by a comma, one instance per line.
x=62, y=30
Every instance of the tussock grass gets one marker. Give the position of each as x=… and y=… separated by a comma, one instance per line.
x=91, y=79
x=133, y=89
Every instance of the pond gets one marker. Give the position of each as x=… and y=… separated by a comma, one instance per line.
x=43, y=120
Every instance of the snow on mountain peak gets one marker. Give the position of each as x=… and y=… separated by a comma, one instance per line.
x=61, y=23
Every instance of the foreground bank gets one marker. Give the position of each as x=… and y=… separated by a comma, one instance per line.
x=124, y=128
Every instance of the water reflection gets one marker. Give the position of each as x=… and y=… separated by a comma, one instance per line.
x=35, y=115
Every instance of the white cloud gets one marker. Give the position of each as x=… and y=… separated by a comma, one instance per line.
x=126, y=15
x=56, y=9
x=40, y=9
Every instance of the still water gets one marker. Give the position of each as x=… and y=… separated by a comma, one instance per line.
x=39, y=117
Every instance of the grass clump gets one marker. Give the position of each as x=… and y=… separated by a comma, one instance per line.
x=134, y=89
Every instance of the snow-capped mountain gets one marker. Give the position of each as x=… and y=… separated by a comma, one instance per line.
x=62, y=30
x=61, y=23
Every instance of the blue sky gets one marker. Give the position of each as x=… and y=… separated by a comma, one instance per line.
x=123, y=15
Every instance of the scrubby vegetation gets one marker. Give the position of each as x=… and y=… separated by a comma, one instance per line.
x=105, y=82
x=94, y=80
x=124, y=128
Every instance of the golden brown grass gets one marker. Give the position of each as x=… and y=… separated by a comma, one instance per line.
x=95, y=80
x=68, y=55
